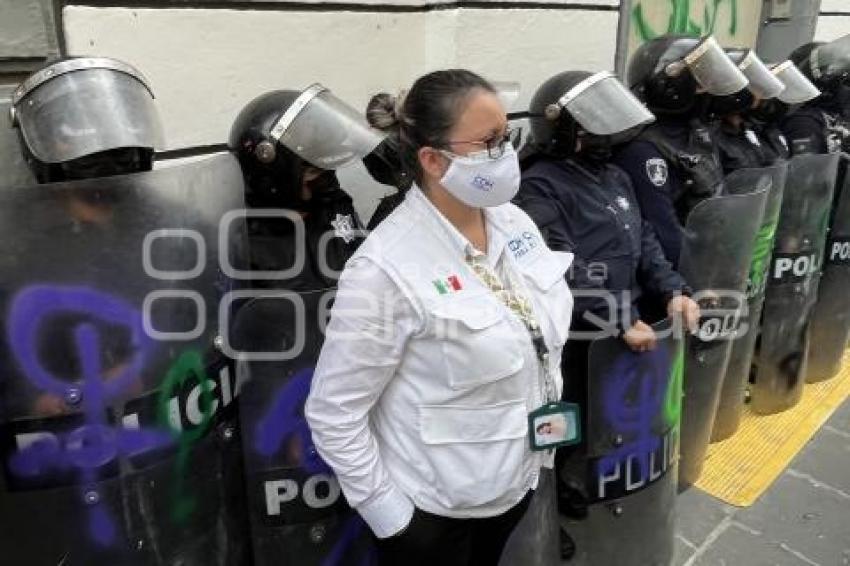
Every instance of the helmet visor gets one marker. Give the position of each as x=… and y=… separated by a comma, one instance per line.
x=602, y=105
x=85, y=112
x=831, y=60
x=713, y=69
x=763, y=83
x=325, y=131
x=798, y=89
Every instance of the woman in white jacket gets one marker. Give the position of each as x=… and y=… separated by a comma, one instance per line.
x=443, y=350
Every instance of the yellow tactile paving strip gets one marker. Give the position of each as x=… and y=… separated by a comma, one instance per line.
x=739, y=469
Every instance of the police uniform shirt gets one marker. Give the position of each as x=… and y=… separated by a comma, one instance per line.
x=594, y=213
x=805, y=131
x=739, y=148
x=665, y=196
x=773, y=142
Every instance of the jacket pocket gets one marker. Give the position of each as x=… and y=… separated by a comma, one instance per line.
x=478, y=342
x=552, y=294
x=477, y=453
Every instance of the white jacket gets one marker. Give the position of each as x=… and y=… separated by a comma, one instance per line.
x=422, y=391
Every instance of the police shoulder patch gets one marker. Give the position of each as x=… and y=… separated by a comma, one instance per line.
x=656, y=171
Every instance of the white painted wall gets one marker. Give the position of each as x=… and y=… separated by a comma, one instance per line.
x=206, y=64
x=834, y=20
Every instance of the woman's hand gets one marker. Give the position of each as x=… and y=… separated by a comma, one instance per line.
x=685, y=307
x=640, y=337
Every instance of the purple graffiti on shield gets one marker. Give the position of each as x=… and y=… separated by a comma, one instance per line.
x=94, y=444
x=636, y=384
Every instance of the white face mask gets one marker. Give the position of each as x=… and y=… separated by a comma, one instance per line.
x=479, y=180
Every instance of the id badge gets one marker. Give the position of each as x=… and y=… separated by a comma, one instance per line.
x=554, y=425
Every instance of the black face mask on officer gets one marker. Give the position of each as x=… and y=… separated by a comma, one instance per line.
x=593, y=148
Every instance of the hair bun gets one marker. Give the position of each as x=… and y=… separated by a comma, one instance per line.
x=383, y=111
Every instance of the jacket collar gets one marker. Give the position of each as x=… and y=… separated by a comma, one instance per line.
x=497, y=221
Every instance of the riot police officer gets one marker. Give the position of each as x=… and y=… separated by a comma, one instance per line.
x=738, y=144
x=86, y=117
x=302, y=228
x=674, y=163
x=822, y=125
x=384, y=163
x=97, y=339
x=767, y=115
x=587, y=206
x=305, y=182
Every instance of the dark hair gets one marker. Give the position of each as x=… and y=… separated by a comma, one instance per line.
x=425, y=114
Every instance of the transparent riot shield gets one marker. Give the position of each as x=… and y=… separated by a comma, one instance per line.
x=715, y=261
x=535, y=540
x=733, y=392
x=13, y=169
x=831, y=316
x=780, y=360
x=622, y=478
x=298, y=514
x=118, y=439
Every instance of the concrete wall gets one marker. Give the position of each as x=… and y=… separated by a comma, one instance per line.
x=205, y=64
x=834, y=20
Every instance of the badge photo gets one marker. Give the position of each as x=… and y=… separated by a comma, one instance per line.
x=554, y=425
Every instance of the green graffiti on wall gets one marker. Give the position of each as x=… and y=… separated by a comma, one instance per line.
x=680, y=21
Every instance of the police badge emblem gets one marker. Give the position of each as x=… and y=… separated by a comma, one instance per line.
x=343, y=227
x=656, y=171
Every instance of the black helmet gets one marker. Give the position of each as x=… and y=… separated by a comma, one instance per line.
x=273, y=173
x=575, y=103
x=280, y=133
x=85, y=117
x=763, y=84
x=666, y=71
x=827, y=65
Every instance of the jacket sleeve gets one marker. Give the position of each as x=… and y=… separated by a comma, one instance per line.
x=655, y=273
x=591, y=299
x=655, y=200
x=370, y=323
x=804, y=134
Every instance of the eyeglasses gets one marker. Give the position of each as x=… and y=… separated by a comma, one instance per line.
x=496, y=145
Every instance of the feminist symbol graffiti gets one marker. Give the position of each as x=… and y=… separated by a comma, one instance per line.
x=95, y=444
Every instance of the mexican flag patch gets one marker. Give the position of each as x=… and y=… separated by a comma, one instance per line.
x=448, y=285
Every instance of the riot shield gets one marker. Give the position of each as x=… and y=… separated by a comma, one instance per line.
x=118, y=441
x=780, y=359
x=716, y=253
x=830, y=327
x=622, y=479
x=732, y=394
x=534, y=541
x=298, y=514
x=13, y=169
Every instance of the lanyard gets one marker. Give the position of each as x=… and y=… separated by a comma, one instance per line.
x=521, y=307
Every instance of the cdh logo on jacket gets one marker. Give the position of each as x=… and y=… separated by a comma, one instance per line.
x=521, y=245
